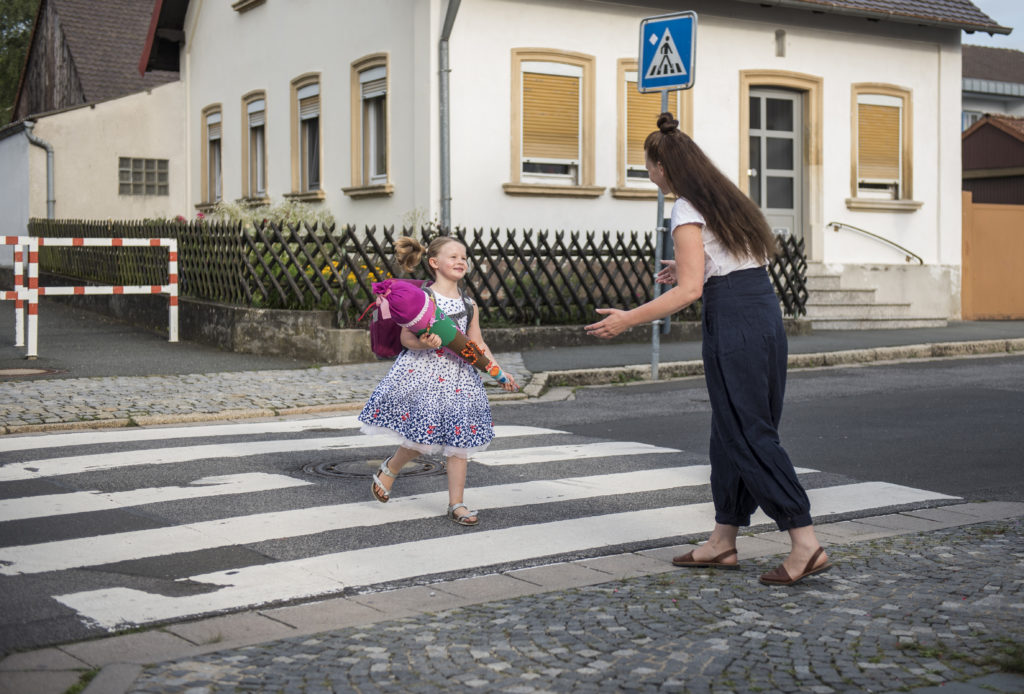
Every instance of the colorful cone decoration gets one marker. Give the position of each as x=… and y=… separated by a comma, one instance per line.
x=413, y=308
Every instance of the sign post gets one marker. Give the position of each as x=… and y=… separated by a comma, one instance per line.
x=668, y=44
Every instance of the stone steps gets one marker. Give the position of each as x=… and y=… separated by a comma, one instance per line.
x=831, y=306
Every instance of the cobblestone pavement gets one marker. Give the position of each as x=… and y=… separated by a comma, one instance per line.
x=142, y=399
x=895, y=614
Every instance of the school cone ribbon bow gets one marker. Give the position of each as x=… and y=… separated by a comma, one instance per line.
x=413, y=308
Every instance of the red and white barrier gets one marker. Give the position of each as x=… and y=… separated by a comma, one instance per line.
x=28, y=296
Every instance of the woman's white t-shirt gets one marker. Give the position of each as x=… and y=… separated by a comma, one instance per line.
x=717, y=259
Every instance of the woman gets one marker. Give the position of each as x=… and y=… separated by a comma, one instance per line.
x=722, y=245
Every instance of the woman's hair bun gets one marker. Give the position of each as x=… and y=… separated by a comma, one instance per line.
x=666, y=123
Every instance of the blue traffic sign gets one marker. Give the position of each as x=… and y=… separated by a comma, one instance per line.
x=667, y=45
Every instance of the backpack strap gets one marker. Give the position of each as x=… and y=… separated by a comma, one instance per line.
x=467, y=301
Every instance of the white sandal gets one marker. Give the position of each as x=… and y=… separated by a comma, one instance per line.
x=385, y=495
x=464, y=518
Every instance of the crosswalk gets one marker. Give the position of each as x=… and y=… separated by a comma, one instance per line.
x=161, y=524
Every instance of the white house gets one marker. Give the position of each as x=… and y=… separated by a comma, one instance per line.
x=844, y=111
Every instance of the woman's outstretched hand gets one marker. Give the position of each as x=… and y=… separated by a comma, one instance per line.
x=667, y=274
x=612, y=325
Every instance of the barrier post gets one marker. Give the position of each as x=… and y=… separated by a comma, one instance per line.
x=29, y=295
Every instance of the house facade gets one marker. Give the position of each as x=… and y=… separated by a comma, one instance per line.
x=837, y=117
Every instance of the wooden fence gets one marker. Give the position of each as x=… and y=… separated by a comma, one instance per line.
x=992, y=286
x=517, y=278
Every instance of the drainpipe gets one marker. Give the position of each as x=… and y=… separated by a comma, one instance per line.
x=39, y=142
x=446, y=178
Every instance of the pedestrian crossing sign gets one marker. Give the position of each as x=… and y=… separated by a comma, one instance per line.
x=667, y=46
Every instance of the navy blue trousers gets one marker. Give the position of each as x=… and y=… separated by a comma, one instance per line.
x=745, y=353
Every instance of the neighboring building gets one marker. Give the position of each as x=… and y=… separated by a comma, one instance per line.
x=993, y=80
x=85, y=52
x=993, y=160
x=117, y=137
x=823, y=110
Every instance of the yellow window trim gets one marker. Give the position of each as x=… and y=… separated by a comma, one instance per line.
x=246, y=173
x=906, y=193
x=296, y=127
x=680, y=103
x=204, y=157
x=375, y=191
x=585, y=62
x=359, y=185
x=552, y=190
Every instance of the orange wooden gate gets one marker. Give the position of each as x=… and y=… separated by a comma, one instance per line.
x=993, y=261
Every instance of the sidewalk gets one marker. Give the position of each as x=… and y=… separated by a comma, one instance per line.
x=99, y=372
x=917, y=600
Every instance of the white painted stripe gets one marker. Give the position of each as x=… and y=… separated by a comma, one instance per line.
x=33, y=469
x=125, y=435
x=577, y=451
x=85, y=502
x=241, y=530
x=111, y=608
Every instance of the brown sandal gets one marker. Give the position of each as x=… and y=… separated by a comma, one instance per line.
x=780, y=577
x=716, y=563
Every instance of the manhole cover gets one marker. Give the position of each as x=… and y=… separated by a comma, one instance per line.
x=25, y=372
x=364, y=468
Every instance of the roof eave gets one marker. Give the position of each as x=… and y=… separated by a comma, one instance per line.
x=150, y=37
x=828, y=8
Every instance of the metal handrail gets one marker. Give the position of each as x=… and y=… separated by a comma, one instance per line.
x=908, y=253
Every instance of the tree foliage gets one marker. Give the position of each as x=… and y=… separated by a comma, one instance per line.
x=16, y=17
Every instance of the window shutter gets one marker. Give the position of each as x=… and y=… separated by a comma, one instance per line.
x=309, y=101
x=257, y=115
x=551, y=116
x=373, y=82
x=642, y=111
x=878, y=142
x=213, y=126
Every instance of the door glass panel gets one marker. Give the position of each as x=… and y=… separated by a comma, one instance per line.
x=779, y=152
x=780, y=192
x=755, y=113
x=779, y=114
x=754, y=177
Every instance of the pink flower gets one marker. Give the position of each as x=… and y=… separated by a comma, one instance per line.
x=200, y=215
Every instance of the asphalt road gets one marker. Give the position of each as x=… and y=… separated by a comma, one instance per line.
x=949, y=426
x=953, y=426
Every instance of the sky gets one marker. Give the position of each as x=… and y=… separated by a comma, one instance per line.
x=1007, y=13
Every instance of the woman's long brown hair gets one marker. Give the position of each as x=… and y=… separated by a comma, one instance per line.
x=730, y=214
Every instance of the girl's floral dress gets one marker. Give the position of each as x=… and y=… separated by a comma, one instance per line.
x=431, y=400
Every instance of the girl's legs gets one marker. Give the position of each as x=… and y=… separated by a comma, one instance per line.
x=457, y=484
x=395, y=464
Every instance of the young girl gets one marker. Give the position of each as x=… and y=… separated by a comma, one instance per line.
x=431, y=401
x=722, y=243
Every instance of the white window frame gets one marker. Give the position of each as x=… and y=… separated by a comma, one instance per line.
x=256, y=142
x=214, y=159
x=882, y=188
x=572, y=174
x=309, y=126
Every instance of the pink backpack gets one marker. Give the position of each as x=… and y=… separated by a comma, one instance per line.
x=386, y=334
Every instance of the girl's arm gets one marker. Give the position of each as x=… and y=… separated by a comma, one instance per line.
x=689, y=271
x=473, y=333
x=427, y=341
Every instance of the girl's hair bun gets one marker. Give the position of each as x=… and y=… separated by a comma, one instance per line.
x=666, y=123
